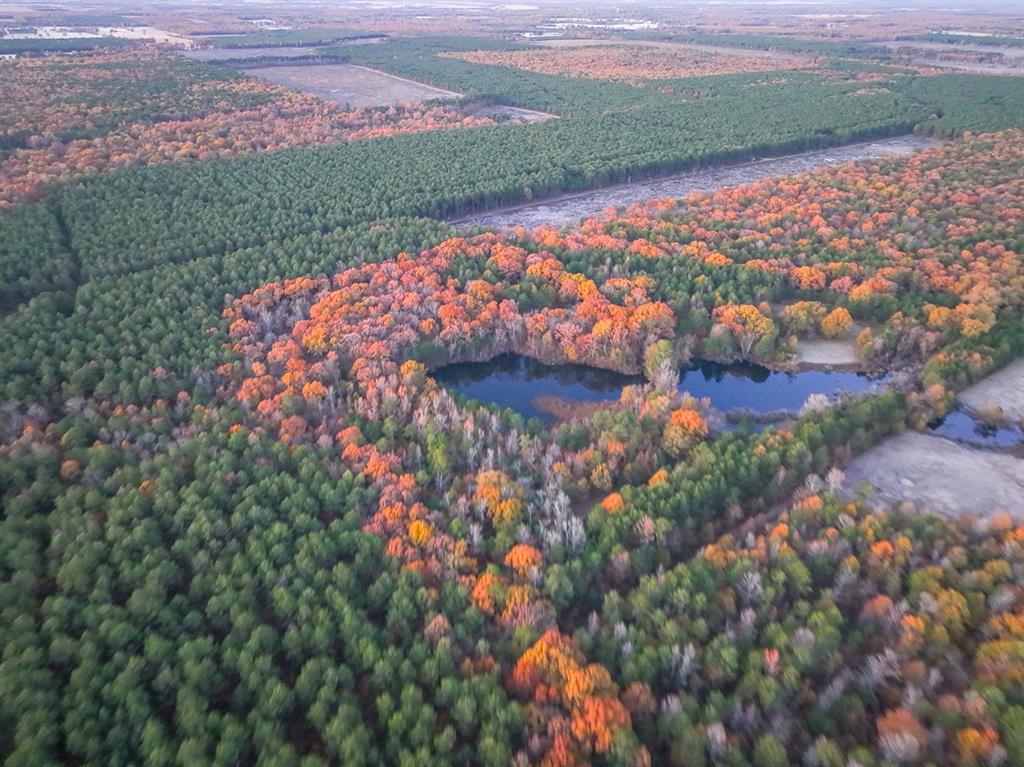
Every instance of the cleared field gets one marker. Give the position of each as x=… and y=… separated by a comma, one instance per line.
x=1004, y=50
x=941, y=476
x=270, y=51
x=825, y=353
x=962, y=57
x=570, y=209
x=1004, y=390
x=350, y=84
x=229, y=54
x=517, y=114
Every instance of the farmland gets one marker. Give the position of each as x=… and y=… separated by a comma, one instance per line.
x=648, y=398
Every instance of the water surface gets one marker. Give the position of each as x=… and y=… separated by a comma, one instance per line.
x=746, y=386
x=959, y=426
x=516, y=382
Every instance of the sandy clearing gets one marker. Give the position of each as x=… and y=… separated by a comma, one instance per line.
x=351, y=84
x=515, y=113
x=1004, y=389
x=821, y=351
x=87, y=33
x=569, y=209
x=1005, y=60
x=1015, y=70
x=274, y=51
x=940, y=476
x=229, y=54
x=928, y=45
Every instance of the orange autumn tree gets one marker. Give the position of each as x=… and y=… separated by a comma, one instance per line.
x=901, y=736
x=575, y=706
x=836, y=323
x=499, y=496
x=684, y=429
x=746, y=322
x=802, y=316
x=523, y=558
x=613, y=503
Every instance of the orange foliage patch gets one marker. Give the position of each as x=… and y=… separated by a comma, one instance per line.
x=628, y=63
x=252, y=116
x=552, y=672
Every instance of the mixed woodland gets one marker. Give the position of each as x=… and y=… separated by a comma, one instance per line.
x=243, y=524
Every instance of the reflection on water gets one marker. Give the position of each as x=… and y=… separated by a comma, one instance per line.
x=516, y=382
x=752, y=387
x=960, y=426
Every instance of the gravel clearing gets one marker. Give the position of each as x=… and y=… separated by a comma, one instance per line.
x=351, y=84
x=1003, y=389
x=940, y=476
x=569, y=209
x=820, y=351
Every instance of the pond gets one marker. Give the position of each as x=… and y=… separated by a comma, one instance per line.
x=746, y=386
x=516, y=382
x=960, y=426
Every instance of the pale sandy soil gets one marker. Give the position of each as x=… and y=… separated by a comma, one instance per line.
x=569, y=209
x=1004, y=389
x=350, y=84
x=820, y=351
x=940, y=476
x=515, y=113
x=85, y=33
x=1007, y=60
x=227, y=54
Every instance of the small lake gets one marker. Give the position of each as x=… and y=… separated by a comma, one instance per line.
x=961, y=427
x=746, y=386
x=516, y=382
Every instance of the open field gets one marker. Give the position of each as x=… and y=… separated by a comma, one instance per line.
x=270, y=51
x=350, y=84
x=1004, y=389
x=500, y=111
x=941, y=476
x=963, y=57
x=75, y=33
x=826, y=353
x=968, y=66
x=1007, y=51
x=228, y=54
x=571, y=208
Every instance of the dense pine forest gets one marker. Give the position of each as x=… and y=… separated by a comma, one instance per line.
x=243, y=523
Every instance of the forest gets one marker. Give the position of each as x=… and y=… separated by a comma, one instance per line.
x=277, y=37
x=243, y=523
